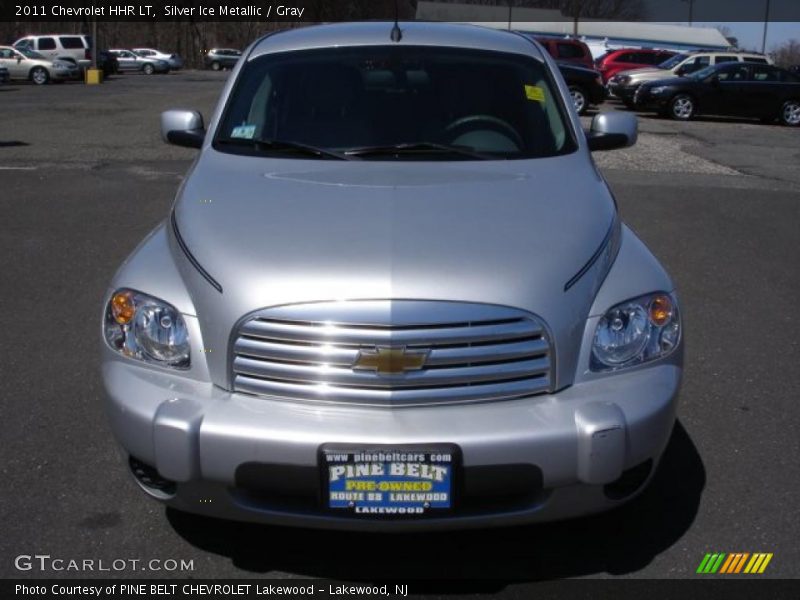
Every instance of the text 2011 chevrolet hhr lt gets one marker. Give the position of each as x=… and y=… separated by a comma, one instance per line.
x=394, y=292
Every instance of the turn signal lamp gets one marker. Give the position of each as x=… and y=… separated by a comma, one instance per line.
x=122, y=307
x=661, y=310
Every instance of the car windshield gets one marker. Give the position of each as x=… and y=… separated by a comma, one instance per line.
x=671, y=62
x=396, y=103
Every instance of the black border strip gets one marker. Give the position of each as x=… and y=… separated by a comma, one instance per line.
x=189, y=255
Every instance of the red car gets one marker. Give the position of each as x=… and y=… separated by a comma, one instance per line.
x=567, y=50
x=630, y=58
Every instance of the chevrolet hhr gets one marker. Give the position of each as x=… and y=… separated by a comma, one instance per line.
x=394, y=292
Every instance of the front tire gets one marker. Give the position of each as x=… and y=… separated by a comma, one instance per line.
x=682, y=107
x=148, y=69
x=215, y=66
x=790, y=113
x=39, y=75
x=579, y=99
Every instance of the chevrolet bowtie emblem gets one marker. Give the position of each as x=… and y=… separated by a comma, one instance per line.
x=391, y=361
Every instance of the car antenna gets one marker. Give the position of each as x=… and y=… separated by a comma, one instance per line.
x=397, y=33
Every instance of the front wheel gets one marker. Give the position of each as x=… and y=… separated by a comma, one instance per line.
x=578, y=99
x=681, y=107
x=790, y=113
x=40, y=76
x=148, y=69
x=215, y=66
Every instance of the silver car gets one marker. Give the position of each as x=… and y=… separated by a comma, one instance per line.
x=394, y=293
x=27, y=65
x=131, y=61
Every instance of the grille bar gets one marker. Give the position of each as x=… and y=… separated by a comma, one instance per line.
x=345, y=356
x=429, y=377
x=372, y=397
x=473, y=352
x=341, y=334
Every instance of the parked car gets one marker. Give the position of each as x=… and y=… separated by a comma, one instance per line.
x=733, y=89
x=623, y=85
x=27, y=65
x=393, y=285
x=73, y=48
x=585, y=86
x=564, y=49
x=107, y=62
x=5, y=77
x=221, y=58
x=128, y=60
x=795, y=69
x=174, y=60
x=625, y=59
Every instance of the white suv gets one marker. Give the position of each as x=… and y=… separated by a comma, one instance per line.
x=70, y=47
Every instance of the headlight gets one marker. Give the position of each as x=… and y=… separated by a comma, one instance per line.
x=146, y=328
x=658, y=89
x=636, y=331
x=59, y=65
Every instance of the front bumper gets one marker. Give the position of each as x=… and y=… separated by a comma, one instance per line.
x=598, y=94
x=622, y=92
x=65, y=74
x=578, y=440
x=644, y=100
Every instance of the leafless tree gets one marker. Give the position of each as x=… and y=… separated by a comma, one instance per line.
x=787, y=54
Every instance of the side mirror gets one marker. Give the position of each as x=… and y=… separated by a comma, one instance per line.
x=183, y=128
x=612, y=130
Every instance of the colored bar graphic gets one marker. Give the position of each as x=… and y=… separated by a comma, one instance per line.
x=717, y=563
x=755, y=562
x=734, y=563
x=764, y=564
x=703, y=563
x=732, y=558
x=741, y=562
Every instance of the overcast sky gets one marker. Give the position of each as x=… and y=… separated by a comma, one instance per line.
x=750, y=33
x=749, y=15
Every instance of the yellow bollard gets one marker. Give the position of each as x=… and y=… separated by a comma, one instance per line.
x=94, y=76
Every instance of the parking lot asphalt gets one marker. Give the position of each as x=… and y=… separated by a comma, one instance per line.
x=84, y=176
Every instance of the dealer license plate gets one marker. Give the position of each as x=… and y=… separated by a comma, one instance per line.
x=388, y=481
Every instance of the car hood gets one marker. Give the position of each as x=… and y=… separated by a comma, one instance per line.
x=668, y=81
x=279, y=231
x=645, y=73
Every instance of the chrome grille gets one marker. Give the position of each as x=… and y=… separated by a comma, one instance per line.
x=474, y=352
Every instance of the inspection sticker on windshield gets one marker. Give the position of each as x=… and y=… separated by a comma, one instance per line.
x=388, y=482
x=244, y=131
x=534, y=92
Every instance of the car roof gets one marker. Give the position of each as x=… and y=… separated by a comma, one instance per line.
x=41, y=35
x=415, y=33
x=641, y=50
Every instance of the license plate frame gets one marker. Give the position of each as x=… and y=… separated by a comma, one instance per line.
x=425, y=500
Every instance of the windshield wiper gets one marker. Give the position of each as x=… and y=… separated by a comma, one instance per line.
x=416, y=148
x=285, y=146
